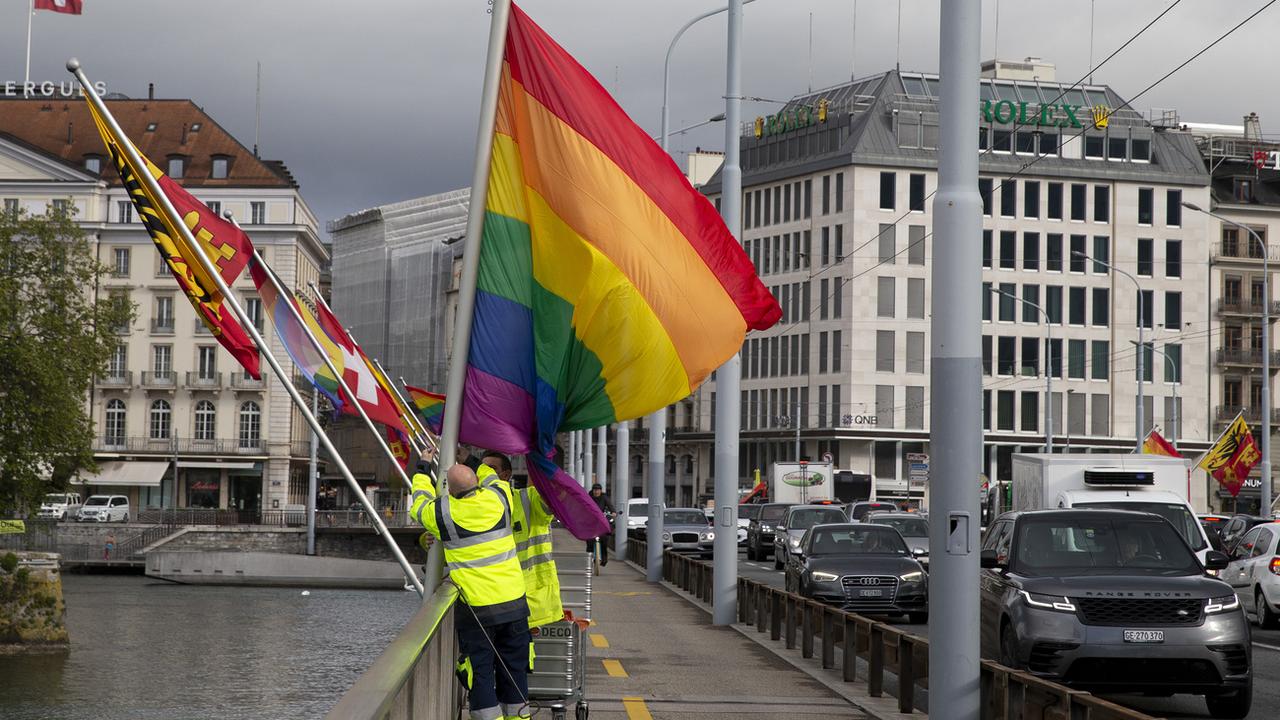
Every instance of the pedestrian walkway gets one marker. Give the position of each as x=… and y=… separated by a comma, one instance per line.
x=651, y=654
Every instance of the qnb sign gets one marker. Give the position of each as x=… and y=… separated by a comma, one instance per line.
x=1007, y=112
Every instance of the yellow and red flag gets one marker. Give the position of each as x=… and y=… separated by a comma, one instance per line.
x=1156, y=444
x=399, y=445
x=1233, y=456
x=223, y=243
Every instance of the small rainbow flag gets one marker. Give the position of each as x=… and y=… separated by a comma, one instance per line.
x=608, y=286
x=429, y=406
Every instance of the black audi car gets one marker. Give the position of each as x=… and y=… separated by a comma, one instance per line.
x=859, y=567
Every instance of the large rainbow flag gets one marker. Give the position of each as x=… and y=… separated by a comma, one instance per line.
x=608, y=286
x=429, y=406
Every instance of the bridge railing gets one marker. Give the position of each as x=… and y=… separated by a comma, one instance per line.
x=413, y=679
x=819, y=629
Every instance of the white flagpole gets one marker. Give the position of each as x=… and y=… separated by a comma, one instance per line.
x=26, y=77
x=471, y=255
x=229, y=298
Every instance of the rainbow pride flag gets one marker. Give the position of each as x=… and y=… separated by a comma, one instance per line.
x=291, y=334
x=608, y=286
x=429, y=406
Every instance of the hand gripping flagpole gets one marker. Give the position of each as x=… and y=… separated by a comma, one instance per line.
x=229, y=298
x=471, y=253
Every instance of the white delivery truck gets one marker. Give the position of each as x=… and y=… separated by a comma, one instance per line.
x=801, y=482
x=1146, y=483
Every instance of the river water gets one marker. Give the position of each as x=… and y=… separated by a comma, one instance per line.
x=143, y=649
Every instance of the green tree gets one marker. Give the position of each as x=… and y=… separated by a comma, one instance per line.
x=57, y=331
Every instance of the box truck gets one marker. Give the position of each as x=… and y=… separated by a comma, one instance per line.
x=801, y=482
x=1145, y=483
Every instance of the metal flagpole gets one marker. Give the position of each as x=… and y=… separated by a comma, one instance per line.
x=588, y=455
x=572, y=466
x=724, y=574
x=313, y=478
x=230, y=300
x=417, y=421
x=471, y=256
x=657, y=493
x=622, y=487
x=956, y=374
x=602, y=458
x=26, y=83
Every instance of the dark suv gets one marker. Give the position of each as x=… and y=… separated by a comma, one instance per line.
x=1113, y=601
x=760, y=530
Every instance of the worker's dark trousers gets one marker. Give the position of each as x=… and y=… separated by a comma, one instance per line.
x=492, y=684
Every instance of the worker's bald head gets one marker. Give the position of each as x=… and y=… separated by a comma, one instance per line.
x=461, y=479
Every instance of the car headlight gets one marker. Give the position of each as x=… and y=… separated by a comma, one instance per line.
x=708, y=535
x=1049, y=602
x=794, y=542
x=666, y=537
x=1221, y=604
x=766, y=528
x=821, y=576
x=913, y=576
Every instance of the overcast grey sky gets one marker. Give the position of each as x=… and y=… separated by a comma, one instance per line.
x=374, y=102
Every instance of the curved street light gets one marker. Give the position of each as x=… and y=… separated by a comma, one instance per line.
x=1142, y=317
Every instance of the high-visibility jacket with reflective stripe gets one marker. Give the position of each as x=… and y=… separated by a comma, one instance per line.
x=424, y=486
x=480, y=551
x=533, y=545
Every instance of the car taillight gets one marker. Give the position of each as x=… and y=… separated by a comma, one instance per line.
x=1275, y=566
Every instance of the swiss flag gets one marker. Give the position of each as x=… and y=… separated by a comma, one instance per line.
x=70, y=7
x=358, y=375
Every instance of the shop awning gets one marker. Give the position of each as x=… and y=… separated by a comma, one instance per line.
x=205, y=465
x=137, y=473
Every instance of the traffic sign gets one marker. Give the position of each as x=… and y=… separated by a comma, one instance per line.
x=827, y=457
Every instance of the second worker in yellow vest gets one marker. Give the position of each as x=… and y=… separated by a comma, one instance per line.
x=533, y=545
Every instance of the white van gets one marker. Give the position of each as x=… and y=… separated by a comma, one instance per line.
x=637, y=516
x=60, y=506
x=105, y=508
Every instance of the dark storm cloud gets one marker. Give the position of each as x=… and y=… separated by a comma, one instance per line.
x=373, y=102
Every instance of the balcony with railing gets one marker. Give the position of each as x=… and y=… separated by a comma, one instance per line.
x=185, y=446
x=159, y=380
x=121, y=443
x=250, y=446
x=204, y=380
x=300, y=449
x=1249, y=357
x=1244, y=249
x=1235, y=305
x=116, y=379
x=240, y=381
x=1224, y=414
x=162, y=326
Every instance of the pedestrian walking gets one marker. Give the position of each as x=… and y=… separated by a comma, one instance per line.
x=109, y=546
x=606, y=506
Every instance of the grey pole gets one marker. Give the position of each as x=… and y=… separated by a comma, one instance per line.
x=602, y=459
x=1265, y=508
x=1139, y=425
x=587, y=456
x=313, y=473
x=657, y=491
x=955, y=430
x=795, y=419
x=621, y=487
x=724, y=574
x=1048, y=367
x=572, y=466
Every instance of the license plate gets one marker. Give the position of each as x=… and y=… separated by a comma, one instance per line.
x=1144, y=636
x=871, y=593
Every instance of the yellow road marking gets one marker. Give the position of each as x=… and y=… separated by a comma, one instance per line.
x=636, y=709
x=614, y=668
x=599, y=641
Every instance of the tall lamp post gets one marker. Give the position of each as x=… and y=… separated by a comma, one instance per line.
x=1138, y=426
x=1177, y=378
x=1266, y=352
x=1048, y=366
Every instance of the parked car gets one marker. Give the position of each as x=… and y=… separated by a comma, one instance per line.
x=746, y=513
x=104, y=508
x=686, y=530
x=855, y=512
x=1113, y=601
x=913, y=527
x=1213, y=523
x=1254, y=572
x=861, y=567
x=1236, y=528
x=760, y=530
x=61, y=506
x=637, y=517
x=799, y=518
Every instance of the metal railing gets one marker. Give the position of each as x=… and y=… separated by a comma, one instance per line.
x=819, y=629
x=1245, y=306
x=162, y=326
x=300, y=449
x=413, y=679
x=1243, y=249
x=119, y=378
x=1227, y=413
x=240, y=381
x=116, y=443
x=151, y=378
x=1245, y=356
x=271, y=517
x=204, y=381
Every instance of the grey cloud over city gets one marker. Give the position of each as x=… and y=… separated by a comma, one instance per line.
x=375, y=102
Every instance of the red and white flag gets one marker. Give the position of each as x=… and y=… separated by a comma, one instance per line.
x=70, y=7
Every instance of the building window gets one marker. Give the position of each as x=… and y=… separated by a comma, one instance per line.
x=115, y=422
x=162, y=361
x=1075, y=306
x=118, y=364
x=1094, y=146
x=1173, y=258
x=1101, y=414
x=1030, y=411
x=915, y=298
x=987, y=250
x=826, y=193
x=1030, y=356
x=986, y=301
x=1173, y=311
x=1146, y=309
x=1101, y=254
x=1101, y=307
x=768, y=206
x=1079, y=195
x=1101, y=203
x=1053, y=360
x=1117, y=148
x=1031, y=199
x=888, y=190
x=60, y=207
x=888, y=243
x=837, y=347
x=1030, y=251
x=1148, y=360
x=1048, y=143
x=1055, y=201
x=1008, y=198
x=808, y=198
x=257, y=212
x=839, y=243
x=206, y=362
x=164, y=313
x=176, y=167
x=915, y=407
x=93, y=164
x=915, y=352
x=160, y=420
x=1146, y=203
x=1008, y=302
x=1004, y=410
x=885, y=297
x=1006, y=355
x=1173, y=208
x=1001, y=141
x=837, y=300
x=220, y=166
x=1031, y=296
x=1101, y=360
x=1173, y=367
x=984, y=189
x=1146, y=261
x=1053, y=252
x=11, y=206
x=915, y=244
x=124, y=210
x=250, y=425
x=120, y=267
x=916, y=187
x=1053, y=303
x=205, y=420
x=840, y=192
x=253, y=308
x=884, y=351
x=1075, y=359
x=215, y=207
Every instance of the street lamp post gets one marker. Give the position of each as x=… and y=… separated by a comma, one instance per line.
x=718, y=117
x=1177, y=416
x=1048, y=367
x=1266, y=353
x=1139, y=419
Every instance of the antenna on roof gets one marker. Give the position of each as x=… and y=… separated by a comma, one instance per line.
x=853, y=59
x=897, y=62
x=810, y=52
x=1090, y=81
x=257, y=111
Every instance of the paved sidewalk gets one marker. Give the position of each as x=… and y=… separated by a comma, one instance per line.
x=653, y=655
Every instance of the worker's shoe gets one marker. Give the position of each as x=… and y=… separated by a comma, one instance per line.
x=516, y=712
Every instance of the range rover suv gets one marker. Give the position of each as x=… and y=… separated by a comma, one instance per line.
x=1113, y=601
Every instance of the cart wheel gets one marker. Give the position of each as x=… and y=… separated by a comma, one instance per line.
x=558, y=713
x=582, y=710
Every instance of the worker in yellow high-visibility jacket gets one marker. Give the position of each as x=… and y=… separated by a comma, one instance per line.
x=533, y=544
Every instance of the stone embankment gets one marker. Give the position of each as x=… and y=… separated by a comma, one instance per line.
x=32, y=612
